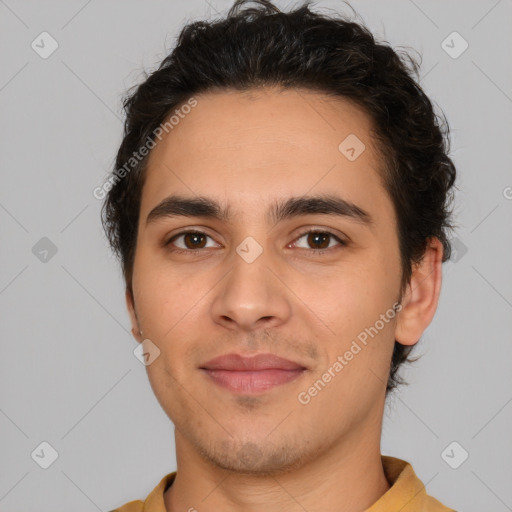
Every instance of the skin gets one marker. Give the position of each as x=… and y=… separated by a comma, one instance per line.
x=270, y=452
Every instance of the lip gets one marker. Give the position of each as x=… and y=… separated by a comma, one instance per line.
x=251, y=375
x=258, y=362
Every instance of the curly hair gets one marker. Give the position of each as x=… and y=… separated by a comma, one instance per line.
x=259, y=45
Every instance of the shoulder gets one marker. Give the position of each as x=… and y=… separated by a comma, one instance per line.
x=436, y=506
x=132, y=506
x=154, y=502
x=407, y=490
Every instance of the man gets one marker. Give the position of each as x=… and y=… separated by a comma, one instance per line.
x=280, y=206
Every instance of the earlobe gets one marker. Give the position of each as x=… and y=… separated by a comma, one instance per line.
x=137, y=333
x=422, y=295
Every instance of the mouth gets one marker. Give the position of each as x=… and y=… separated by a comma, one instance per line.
x=251, y=375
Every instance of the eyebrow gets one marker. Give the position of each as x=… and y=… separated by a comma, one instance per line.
x=327, y=204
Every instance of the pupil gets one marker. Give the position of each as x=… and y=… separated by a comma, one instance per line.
x=195, y=237
x=314, y=237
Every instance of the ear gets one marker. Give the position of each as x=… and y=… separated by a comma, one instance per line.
x=136, y=331
x=422, y=295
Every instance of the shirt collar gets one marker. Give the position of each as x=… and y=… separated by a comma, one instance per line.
x=407, y=492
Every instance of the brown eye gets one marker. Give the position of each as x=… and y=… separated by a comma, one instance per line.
x=194, y=240
x=320, y=241
x=188, y=241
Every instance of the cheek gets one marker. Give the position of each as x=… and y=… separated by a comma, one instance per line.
x=171, y=307
x=351, y=298
x=162, y=293
x=356, y=303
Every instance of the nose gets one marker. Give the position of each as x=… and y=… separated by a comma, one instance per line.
x=251, y=296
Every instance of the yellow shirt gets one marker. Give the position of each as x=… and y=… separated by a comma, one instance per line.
x=406, y=494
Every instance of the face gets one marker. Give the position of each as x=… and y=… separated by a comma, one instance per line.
x=254, y=282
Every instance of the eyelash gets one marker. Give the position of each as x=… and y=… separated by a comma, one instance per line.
x=318, y=252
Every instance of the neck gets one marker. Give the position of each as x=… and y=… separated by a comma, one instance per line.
x=348, y=476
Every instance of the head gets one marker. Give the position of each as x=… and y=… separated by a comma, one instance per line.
x=260, y=123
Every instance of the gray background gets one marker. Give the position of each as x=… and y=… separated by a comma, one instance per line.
x=68, y=373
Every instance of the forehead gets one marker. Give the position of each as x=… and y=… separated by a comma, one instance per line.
x=248, y=147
